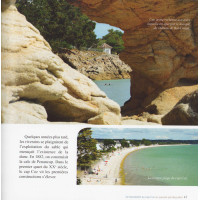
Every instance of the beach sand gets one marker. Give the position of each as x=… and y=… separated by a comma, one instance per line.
x=106, y=171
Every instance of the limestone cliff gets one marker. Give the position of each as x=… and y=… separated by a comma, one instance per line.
x=38, y=86
x=97, y=65
x=159, y=55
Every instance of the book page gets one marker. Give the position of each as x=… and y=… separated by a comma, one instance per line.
x=99, y=99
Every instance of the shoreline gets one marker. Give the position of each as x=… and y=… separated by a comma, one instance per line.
x=121, y=170
x=109, y=169
x=122, y=174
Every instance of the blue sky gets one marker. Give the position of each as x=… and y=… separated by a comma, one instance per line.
x=102, y=29
x=147, y=133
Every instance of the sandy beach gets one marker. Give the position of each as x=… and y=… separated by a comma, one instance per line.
x=106, y=171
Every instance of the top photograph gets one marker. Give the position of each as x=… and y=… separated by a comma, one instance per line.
x=104, y=62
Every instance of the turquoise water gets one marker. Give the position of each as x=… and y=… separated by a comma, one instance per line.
x=167, y=165
x=118, y=90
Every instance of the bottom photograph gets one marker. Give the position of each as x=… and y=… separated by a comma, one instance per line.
x=137, y=156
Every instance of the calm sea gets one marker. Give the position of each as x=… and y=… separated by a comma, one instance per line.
x=167, y=165
x=118, y=90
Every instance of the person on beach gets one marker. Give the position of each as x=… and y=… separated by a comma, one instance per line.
x=115, y=180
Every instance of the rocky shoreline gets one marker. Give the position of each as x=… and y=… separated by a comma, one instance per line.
x=97, y=65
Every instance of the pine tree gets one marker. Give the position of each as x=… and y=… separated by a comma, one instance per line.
x=124, y=143
x=60, y=23
x=108, y=143
x=86, y=148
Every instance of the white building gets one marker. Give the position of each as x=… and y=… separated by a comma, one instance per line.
x=118, y=144
x=99, y=146
x=106, y=48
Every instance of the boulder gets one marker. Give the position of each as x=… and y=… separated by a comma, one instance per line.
x=106, y=118
x=26, y=112
x=38, y=84
x=155, y=119
x=162, y=102
x=166, y=100
x=185, y=112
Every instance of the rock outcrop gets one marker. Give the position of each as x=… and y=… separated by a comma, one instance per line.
x=97, y=65
x=162, y=104
x=166, y=100
x=185, y=112
x=159, y=55
x=37, y=85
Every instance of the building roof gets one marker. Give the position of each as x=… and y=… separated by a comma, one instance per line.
x=104, y=45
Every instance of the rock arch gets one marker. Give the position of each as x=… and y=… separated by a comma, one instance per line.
x=159, y=58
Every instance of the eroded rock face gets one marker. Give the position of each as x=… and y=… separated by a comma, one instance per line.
x=185, y=112
x=162, y=103
x=158, y=57
x=97, y=65
x=22, y=112
x=38, y=84
x=167, y=99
